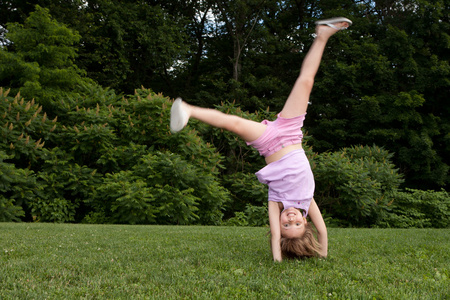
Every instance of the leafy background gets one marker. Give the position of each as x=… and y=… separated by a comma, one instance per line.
x=87, y=89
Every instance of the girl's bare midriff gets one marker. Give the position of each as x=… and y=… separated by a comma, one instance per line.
x=278, y=155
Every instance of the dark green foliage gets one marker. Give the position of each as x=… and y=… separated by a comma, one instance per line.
x=384, y=81
x=180, y=188
x=131, y=127
x=25, y=128
x=257, y=215
x=176, y=183
x=245, y=189
x=416, y=208
x=40, y=59
x=74, y=151
x=64, y=187
x=122, y=199
x=15, y=189
x=359, y=186
x=356, y=185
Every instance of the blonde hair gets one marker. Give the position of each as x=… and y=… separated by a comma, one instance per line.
x=301, y=247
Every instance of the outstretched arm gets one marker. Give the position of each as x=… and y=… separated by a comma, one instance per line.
x=274, y=221
x=317, y=219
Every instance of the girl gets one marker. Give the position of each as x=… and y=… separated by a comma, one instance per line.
x=287, y=173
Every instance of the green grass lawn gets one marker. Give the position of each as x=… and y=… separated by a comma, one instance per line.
x=68, y=261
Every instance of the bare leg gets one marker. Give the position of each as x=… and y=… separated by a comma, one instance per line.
x=248, y=130
x=297, y=102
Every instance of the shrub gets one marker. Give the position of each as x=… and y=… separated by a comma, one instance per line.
x=417, y=208
x=257, y=215
x=162, y=188
x=239, y=219
x=122, y=198
x=187, y=193
x=245, y=190
x=25, y=129
x=356, y=185
x=64, y=188
x=16, y=186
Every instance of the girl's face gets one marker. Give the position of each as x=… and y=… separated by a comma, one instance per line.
x=292, y=223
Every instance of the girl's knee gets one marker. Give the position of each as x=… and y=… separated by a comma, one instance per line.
x=306, y=83
x=248, y=130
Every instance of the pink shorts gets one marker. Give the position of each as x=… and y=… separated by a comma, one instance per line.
x=290, y=180
x=279, y=133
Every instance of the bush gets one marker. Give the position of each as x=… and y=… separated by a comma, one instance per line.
x=239, y=219
x=186, y=193
x=356, y=185
x=162, y=188
x=359, y=186
x=111, y=159
x=16, y=186
x=255, y=216
x=65, y=187
x=245, y=190
x=122, y=199
x=25, y=129
x=417, y=208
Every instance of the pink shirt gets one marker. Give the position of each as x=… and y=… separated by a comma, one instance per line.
x=290, y=180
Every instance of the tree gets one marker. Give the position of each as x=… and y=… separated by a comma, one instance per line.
x=40, y=59
x=240, y=18
x=129, y=44
x=386, y=86
x=382, y=82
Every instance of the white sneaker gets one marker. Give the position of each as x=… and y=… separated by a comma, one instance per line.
x=178, y=117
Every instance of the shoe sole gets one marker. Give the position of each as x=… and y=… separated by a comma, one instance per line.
x=178, y=117
x=331, y=21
